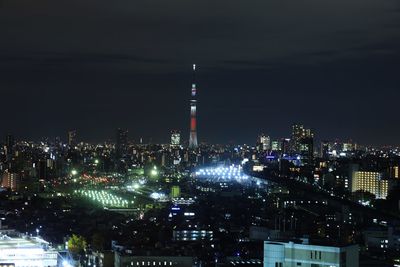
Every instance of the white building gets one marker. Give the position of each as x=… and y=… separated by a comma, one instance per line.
x=289, y=254
x=175, y=138
x=26, y=252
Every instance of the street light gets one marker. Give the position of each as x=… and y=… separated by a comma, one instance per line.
x=154, y=171
x=65, y=263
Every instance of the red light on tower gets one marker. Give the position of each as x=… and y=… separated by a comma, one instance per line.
x=193, y=105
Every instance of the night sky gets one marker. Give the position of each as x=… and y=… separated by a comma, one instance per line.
x=95, y=65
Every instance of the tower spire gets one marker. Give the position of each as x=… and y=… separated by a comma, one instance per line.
x=193, y=122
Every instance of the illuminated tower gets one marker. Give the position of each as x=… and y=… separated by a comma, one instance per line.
x=193, y=122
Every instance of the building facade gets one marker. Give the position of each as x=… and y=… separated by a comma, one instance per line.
x=11, y=180
x=26, y=252
x=175, y=138
x=124, y=260
x=263, y=143
x=372, y=182
x=288, y=254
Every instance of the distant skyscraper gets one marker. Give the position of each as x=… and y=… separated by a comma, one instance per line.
x=276, y=145
x=9, y=147
x=175, y=138
x=264, y=142
x=193, y=123
x=299, y=134
x=307, y=149
x=285, y=145
x=72, y=138
x=121, y=143
x=347, y=147
x=324, y=149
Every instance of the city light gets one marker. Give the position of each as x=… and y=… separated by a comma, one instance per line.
x=158, y=196
x=104, y=198
x=65, y=263
x=222, y=173
x=281, y=147
x=154, y=171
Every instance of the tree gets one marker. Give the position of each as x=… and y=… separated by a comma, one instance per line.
x=76, y=244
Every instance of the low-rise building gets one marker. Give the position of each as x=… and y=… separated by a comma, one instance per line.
x=301, y=253
x=26, y=252
x=128, y=260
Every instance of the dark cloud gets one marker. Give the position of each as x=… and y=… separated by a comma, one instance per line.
x=98, y=65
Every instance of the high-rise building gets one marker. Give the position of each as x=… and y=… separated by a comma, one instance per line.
x=121, y=144
x=287, y=254
x=276, y=145
x=394, y=172
x=175, y=138
x=372, y=182
x=347, y=147
x=285, y=145
x=71, y=138
x=298, y=134
x=302, y=142
x=324, y=150
x=263, y=143
x=306, y=149
x=11, y=180
x=42, y=170
x=9, y=147
x=193, y=120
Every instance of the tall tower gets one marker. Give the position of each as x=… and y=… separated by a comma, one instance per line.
x=193, y=122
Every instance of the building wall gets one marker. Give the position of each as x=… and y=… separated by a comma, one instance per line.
x=132, y=261
x=371, y=182
x=291, y=254
x=14, y=252
x=11, y=180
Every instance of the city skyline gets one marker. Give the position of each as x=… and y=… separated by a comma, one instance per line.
x=261, y=69
x=199, y=133
x=133, y=138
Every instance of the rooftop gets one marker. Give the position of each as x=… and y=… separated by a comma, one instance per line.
x=7, y=242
